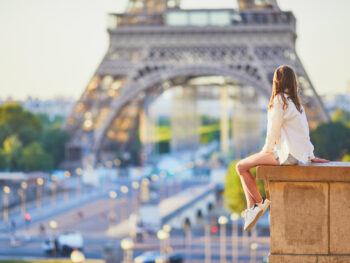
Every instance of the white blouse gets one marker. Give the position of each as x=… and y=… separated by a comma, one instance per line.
x=288, y=132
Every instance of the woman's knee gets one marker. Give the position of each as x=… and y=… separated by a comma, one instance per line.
x=240, y=167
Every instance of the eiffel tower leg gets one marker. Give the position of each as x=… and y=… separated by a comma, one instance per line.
x=224, y=120
x=146, y=126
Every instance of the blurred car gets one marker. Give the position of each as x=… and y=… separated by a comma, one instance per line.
x=49, y=246
x=68, y=242
x=155, y=257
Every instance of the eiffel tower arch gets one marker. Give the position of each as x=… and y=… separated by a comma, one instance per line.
x=156, y=42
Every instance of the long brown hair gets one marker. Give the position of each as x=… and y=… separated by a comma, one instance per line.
x=285, y=82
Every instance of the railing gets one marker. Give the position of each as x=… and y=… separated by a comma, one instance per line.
x=202, y=17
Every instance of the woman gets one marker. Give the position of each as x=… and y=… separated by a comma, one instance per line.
x=287, y=141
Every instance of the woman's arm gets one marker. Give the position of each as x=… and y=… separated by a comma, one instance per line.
x=319, y=160
x=274, y=125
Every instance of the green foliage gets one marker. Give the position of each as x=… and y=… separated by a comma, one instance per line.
x=56, y=122
x=234, y=194
x=206, y=120
x=29, y=141
x=12, y=147
x=16, y=121
x=346, y=158
x=3, y=162
x=342, y=116
x=209, y=137
x=34, y=158
x=331, y=140
x=54, y=141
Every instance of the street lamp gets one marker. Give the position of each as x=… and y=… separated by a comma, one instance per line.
x=53, y=225
x=154, y=177
x=113, y=195
x=24, y=186
x=162, y=236
x=117, y=162
x=66, y=185
x=7, y=191
x=144, y=190
x=124, y=189
x=222, y=222
x=135, y=186
x=127, y=245
x=167, y=228
x=188, y=240
x=235, y=250
x=109, y=164
x=207, y=244
x=40, y=182
x=253, y=247
x=53, y=190
x=77, y=256
x=79, y=173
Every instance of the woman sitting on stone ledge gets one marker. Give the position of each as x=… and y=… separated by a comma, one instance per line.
x=287, y=141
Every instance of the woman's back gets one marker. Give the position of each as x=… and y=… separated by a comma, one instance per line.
x=294, y=130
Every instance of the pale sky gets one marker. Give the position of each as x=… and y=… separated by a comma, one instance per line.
x=52, y=48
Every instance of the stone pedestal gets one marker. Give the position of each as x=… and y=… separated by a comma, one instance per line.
x=309, y=212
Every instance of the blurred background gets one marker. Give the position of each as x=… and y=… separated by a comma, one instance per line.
x=121, y=121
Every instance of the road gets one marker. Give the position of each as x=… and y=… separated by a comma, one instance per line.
x=89, y=213
x=93, y=248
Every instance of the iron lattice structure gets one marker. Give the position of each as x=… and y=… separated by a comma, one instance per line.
x=157, y=42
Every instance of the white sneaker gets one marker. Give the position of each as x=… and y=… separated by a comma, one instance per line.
x=265, y=204
x=251, y=216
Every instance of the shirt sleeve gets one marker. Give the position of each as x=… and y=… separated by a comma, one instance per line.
x=311, y=146
x=311, y=156
x=274, y=125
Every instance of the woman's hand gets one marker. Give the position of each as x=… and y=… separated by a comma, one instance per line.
x=319, y=160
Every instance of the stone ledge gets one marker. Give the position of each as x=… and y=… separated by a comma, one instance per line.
x=314, y=172
x=308, y=259
x=309, y=212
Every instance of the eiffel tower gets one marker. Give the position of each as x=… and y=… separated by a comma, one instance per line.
x=155, y=42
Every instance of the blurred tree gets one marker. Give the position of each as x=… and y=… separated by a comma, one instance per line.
x=34, y=158
x=28, y=134
x=45, y=120
x=54, y=141
x=48, y=122
x=20, y=128
x=331, y=140
x=346, y=158
x=5, y=131
x=342, y=116
x=16, y=121
x=3, y=162
x=233, y=193
x=12, y=147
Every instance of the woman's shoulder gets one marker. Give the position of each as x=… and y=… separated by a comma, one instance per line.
x=278, y=99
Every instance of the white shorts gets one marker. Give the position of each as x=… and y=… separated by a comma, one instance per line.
x=291, y=160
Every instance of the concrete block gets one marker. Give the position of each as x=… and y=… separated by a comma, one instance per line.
x=299, y=218
x=292, y=259
x=340, y=218
x=333, y=259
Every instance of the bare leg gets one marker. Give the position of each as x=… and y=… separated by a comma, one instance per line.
x=250, y=188
x=248, y=196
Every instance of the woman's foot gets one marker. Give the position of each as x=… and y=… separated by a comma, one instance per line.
x=251, y=216
x=264, y=205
